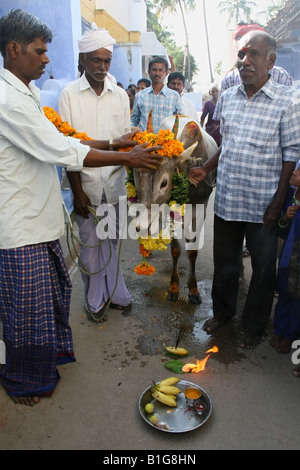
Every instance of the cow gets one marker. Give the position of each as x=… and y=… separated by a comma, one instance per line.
x=154, y=187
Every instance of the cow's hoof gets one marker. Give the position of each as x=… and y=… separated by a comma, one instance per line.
x=173, y=296
x=195, y=299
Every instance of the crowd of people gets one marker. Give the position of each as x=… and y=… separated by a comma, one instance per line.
x=257, y=193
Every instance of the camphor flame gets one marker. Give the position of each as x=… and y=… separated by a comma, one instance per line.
x=200, y=366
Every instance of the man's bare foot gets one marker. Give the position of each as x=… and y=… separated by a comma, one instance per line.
x=248, y=341
x=284, y=346
x=28, y=401
x=296, y=372
x=211, y=325
x=275, y=340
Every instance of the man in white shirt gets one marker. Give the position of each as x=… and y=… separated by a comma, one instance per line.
x=176, y=81
x=35, y=287
x=100, y=108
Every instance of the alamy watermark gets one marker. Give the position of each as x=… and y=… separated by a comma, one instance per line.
x=2, y=352
x=155, y=221
x=296, y=353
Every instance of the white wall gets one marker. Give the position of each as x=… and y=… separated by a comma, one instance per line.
x=132, y=14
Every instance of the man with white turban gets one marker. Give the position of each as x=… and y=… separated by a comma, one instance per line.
x=97, y=106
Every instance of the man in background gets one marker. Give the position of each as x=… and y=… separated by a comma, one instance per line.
x=176, y=81
x=158, y=97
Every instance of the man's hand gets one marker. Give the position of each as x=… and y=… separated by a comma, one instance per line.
x=142, y=157
x=271, y=217
x=81, y=203
x=125, y=140
x=197, y=175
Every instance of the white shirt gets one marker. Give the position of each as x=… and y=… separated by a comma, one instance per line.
x=30, y=147
x=189, y=109
x=102, y=117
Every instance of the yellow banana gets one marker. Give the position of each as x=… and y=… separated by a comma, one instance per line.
x=165, y=399
x=168, y=381
x=168, y=389
x=176, y=351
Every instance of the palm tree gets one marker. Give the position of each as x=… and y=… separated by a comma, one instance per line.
x=237, y=10
x=172, y=6
x=207, y=42
x=276, y=5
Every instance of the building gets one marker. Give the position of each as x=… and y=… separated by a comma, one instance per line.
x=285, y=28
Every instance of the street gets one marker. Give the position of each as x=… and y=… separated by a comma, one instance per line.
x=254, y=395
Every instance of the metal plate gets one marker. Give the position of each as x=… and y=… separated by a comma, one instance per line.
x=176, y=420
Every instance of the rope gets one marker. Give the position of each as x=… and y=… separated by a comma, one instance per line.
x=71, y=239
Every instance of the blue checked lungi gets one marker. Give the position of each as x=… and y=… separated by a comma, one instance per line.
x=35, y=294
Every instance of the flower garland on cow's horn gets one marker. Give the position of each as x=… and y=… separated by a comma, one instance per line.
x=171, y=147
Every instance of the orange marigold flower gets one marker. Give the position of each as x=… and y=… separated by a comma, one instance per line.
x=143, y=251
x=144, y=269
x=165, y=138
x=63, y=126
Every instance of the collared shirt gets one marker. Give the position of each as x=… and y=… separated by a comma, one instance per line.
x=233, y=78
x=259, y=134
x=102, y=117
x=30, y=147
x=278, y=74
x=165, y=104
x=189, y=109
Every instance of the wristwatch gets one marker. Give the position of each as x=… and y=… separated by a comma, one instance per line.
x=110, y=144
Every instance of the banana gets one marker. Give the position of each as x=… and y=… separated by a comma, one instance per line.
x=168, y=389
x=162, y=398
x=176, y=351
x=168, y=381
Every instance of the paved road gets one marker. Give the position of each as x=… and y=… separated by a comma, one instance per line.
x=255, y=398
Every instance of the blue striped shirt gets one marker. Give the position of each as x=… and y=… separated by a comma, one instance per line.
x=166, y=103
x=259, y=133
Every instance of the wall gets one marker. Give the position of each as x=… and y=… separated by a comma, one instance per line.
x=63, y=51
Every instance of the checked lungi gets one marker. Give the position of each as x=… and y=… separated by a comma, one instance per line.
x=35, y=294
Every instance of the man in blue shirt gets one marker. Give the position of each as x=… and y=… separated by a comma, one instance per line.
x=260, y=147
x=158, y=97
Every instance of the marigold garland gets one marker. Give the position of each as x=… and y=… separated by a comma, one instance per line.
x=165, y=138
x=179, y=195
x=63, y=126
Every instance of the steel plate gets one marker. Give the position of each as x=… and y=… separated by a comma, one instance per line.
x=176, y=420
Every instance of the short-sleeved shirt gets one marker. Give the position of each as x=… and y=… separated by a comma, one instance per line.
x=166, y=103
x=259, y=134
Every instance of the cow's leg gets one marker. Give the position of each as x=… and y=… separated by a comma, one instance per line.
x=173, y=292
x=194, y=295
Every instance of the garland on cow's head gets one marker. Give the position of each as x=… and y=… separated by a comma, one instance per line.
x=172, y=147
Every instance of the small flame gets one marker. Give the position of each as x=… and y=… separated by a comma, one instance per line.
x=200, y=366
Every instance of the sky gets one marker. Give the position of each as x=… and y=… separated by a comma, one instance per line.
x=218, y=37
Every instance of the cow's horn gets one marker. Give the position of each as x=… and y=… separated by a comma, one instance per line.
x=186, y=154
x=176, y=126
x=150, y=122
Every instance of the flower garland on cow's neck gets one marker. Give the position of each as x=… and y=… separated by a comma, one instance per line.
x=178, y=198
x=179, y=195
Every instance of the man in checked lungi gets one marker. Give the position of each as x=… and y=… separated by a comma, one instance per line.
x=35, y=287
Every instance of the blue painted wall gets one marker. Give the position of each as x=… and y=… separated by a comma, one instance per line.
x=64, y=18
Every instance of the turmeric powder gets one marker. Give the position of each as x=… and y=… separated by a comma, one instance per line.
x=192, y=393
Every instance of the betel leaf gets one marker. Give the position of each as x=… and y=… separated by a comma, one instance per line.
x=175, y=365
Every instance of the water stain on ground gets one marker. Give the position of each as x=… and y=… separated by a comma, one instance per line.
x=162, y=321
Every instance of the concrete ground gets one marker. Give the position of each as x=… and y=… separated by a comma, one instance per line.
x=255, y=397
